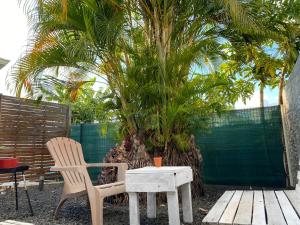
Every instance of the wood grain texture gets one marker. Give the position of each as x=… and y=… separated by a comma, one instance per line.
x=173, y=208
x=256, y=208
x=230, y=211
x=25, y=127
x=289, y=213
x=151, y=205
x=259, y=216
x=244, y=212
x=187, y=204
x=274, y=213
x=134, y=212
x=217, y=210
x=294, y=197
x=162, y=179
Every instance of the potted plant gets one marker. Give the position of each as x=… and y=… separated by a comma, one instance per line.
x=155, y=149
x=157, y=159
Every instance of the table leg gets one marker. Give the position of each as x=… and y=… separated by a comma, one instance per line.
x=173, y=208
x=16, y=191
x=187, y=207
x=151, y=205
x=134, y=208
x=27, y=195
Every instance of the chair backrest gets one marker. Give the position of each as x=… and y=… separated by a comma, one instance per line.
x=67, y=152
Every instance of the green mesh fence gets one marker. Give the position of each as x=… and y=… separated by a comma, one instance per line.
x=96, y=141
x=244, y=147
x=240, y=147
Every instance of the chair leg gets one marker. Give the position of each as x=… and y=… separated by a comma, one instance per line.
x=88, y=205
x=61, y=202
x=97, y=210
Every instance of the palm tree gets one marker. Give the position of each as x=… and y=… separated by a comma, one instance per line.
x=3, y=62
x=282, y=18
x=147, y=52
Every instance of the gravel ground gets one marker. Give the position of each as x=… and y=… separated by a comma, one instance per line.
x=76, y=212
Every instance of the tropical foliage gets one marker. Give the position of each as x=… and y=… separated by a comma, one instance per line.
x=166, y=63
x=87, y=105
x=148, y=52
x=268, y=59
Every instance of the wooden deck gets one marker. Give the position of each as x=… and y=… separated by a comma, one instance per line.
x=256, y=207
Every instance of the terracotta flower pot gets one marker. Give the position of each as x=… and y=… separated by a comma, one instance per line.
x=157, y=161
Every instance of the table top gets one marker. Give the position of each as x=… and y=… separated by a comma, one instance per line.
x=19, y=168
x=157, y=179
x=163, y=169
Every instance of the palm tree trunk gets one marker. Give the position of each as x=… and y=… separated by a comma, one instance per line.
x=261, y=94
x=281, y=85
x=133, y=152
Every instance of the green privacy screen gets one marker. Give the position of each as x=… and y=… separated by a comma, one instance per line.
x=240, y=147
x=96, y=140
x=244, y=147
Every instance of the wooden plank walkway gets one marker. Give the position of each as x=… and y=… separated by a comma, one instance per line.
x=256, y=207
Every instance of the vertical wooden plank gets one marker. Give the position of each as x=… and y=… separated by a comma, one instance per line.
x=217, y=210
x=294, y=197
x=288, y=211
x=151, y=205
x=187, y=206
x=134, y=208
x=230, y=211
x=78, y=160
x=78, y=153
x=173, y=208
x=287, y=144
x=64, y=154
x=68, y=121
x=274, y=213
x=81, y=132
x=69, y=150
x=259, y=216
x=244, y=212
x=56, y=153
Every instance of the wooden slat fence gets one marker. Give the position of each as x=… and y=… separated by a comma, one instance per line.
x=25, y=127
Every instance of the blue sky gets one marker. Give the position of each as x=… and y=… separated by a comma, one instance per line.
x=13, y=38
x=270, y=99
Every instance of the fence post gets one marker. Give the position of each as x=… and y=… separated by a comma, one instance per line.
x=68, y=121
x=286, y=142
x=81, y=135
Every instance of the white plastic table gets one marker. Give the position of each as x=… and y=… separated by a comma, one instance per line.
x=160, y=179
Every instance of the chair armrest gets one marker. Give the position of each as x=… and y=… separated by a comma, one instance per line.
x=122, y=167
x=104, y=164
x=65, y=168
